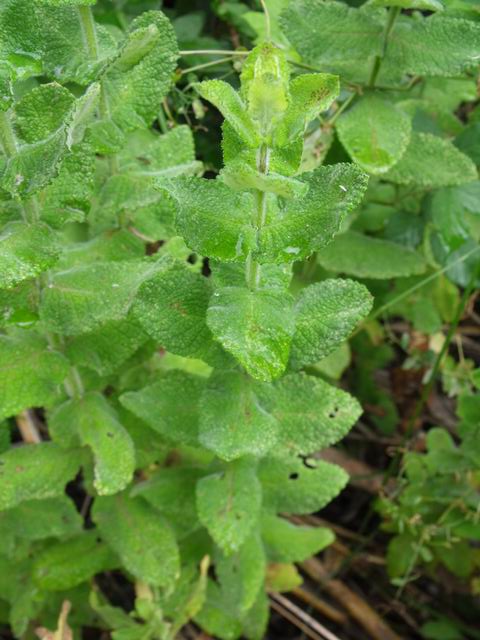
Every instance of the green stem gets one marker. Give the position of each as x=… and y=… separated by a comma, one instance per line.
x=213, y=52
x=7, y=137
x=438, y=361
x=205, y=65
x=253, y=268
x=393, y=14
x=89, y=31
x=8, y=142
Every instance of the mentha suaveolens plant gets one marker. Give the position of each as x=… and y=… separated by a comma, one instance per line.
x=257, y=412
x=187, y=458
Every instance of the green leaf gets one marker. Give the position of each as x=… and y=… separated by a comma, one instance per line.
x=213, y=219
x=239, y=175
x=215, y=618
x=37, y=520
x=35, y=472
x=159, y=407
x=307, y=224
x=171, y=490
x=108, y=347
x=293, y=485
x=311, y=414
x=67, y=564
x=82, y=298
x=65, y=3
x=96, y=426
x=433, y=46
x=241, y=575
x=326, y=313
x=141, y=76
x=255, y=326
x=375, y=133
x=233, y=420
x=287, y=542
x=310, y=94
x=41, y=112
x=432, y=162
x=25, y=251
x=347, y=33
x=140, y=536
x=29, y=373
x=171, y=307
x=425, y=5
x=224, y=97
x=228, y=504
x=366, y=257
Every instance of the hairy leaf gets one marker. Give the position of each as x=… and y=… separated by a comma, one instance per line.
x=25, y=251
x=255, y=326
x=375, y=133
x=158, y=405
x=29, y=373
x=140, y=536
x=366, y=257
x=292, y=485
x=233, y=421
x=228, y=504
x=34, y=472
x=326, y=313
x=307, y=224
x=287, y=542
x=310, y=413
x=67, y=564
x=96, y=425
x=432, y=162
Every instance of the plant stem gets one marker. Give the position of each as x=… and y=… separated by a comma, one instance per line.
x=253, y=268
x=205, y=65
x=268, y=28
x=213, y=52
x=89, y=31
x=393, y=14
x=438, y=361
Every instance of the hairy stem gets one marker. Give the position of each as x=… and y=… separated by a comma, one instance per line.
x=89, y=31
x=253, y=268
x=393, y=14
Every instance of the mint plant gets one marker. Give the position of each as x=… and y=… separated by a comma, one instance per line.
x=185, y=459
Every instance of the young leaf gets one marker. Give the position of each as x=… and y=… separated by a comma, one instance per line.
x=213, y=219
x=96, y=425
x=65, y=565
x=140, y=77
x=25, y=251
x=223, y=96
x=233, y=421
x=432, y=162
x=35, y=472
x=293, y=485
x=287, y=542
x=239, y=175
x=29, y=373
x=159, y=407
x=228, y=504
x=310, y=94
x=311, y=414
x=366, y=257
x=375, y=133
x=242, y=574
x=255, y=326
x=307, y=224
x=425, y=5
x=326, y=313
x=140, y=536
x=171, y=307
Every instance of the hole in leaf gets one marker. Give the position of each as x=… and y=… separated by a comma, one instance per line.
x=293, y=476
